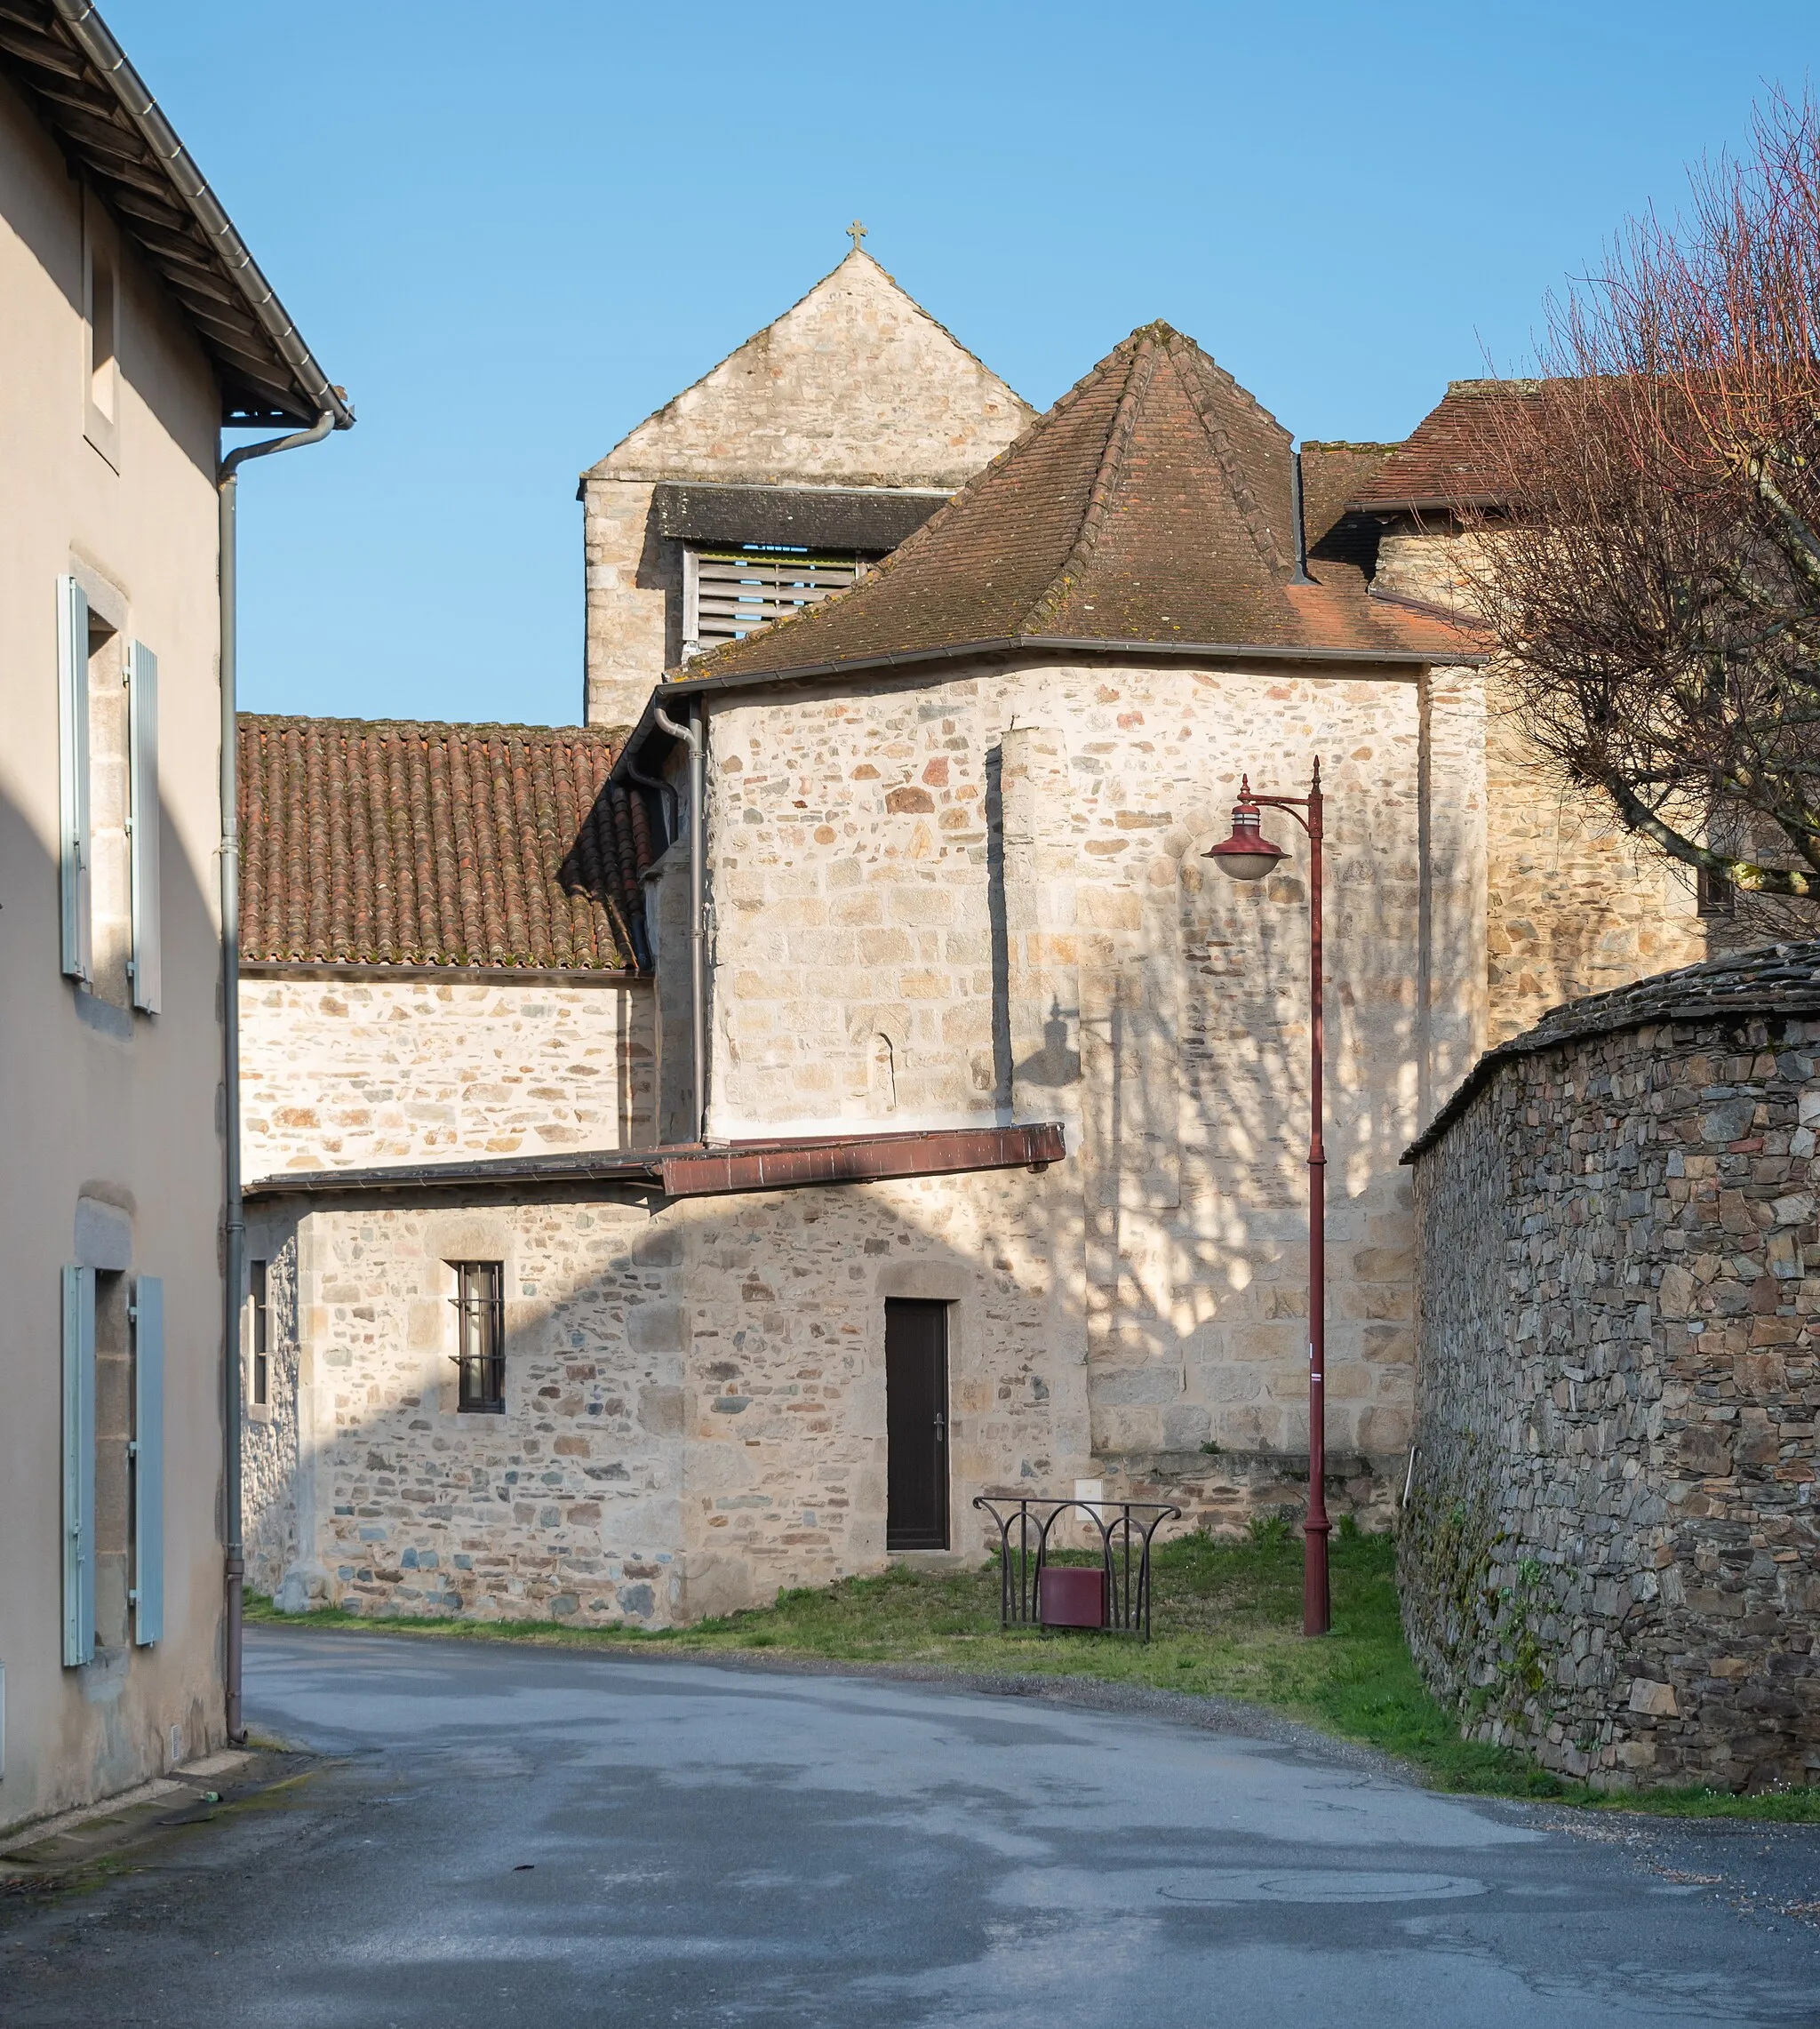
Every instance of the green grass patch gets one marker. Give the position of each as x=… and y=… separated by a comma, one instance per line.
x=1226, y=1621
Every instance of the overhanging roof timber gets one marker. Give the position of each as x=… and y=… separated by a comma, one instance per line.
x=913, y=665
x=870, y=520
x=698, y=1170
x=62, y=57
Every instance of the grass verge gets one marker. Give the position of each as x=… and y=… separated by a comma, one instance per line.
x=1227, y=1622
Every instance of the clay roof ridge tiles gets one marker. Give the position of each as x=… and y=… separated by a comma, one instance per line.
x=414, y=843
x=1122, y=427
x=1269, y=550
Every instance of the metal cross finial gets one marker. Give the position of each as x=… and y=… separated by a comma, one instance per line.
x=856, y=232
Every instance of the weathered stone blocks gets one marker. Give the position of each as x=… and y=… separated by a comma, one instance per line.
x=1606, y=1555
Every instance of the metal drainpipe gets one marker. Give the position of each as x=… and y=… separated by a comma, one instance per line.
x=694, y=737
x=666, y=790
x=227, y=487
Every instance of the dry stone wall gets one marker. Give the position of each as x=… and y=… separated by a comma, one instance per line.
x=1609, y=1553
x=350, y=1073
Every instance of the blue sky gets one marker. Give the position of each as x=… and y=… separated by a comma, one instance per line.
x=511, y=232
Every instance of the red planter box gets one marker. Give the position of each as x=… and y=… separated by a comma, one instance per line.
x=1071, y=1597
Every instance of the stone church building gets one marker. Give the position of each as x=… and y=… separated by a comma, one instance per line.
x=617, y=1259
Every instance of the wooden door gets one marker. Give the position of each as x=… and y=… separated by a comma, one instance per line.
x=916, y=1425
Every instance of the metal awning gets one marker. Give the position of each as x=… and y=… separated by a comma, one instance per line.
x=696, y=1169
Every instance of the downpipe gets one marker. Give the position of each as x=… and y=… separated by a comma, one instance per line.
x=694, y=737
x=227, y=487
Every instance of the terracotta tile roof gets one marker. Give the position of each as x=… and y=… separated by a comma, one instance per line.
x=374, y=843
x=1151, y=504
x=1446, y=461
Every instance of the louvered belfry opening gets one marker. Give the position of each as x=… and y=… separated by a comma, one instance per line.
x=731, y=593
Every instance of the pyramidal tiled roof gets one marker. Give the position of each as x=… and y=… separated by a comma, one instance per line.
x=391, y=843
x=1151, y=504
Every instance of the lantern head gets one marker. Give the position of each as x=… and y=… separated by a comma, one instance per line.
x=1246, y=855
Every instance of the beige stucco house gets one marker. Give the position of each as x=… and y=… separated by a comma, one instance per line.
x=995, y=1169
x=135, y=326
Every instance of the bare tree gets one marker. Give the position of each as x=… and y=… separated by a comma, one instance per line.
x=1654, y=570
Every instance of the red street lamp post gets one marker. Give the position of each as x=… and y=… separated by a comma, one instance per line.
x=1248, y=856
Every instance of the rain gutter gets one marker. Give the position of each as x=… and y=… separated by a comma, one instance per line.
x=91, y=36
x=914, y=663
x=233, y=1267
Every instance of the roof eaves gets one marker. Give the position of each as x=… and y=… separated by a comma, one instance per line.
x=1420, y=503
x=912, y=662
x=309, y=392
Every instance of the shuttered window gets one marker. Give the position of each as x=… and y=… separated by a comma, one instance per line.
x=73, y=761
x=142, y=825
x=729, y=593
x=148, y=1459
x=78, y=1466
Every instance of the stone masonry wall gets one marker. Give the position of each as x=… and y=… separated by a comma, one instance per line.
x=856, y=386
x=695, y=1395
x=985, y=899
x=343, y=1074
x=395, y=1500
x=1575, y=903
x=1608, y=1554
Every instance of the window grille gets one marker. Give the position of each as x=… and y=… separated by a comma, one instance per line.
x=259, y=1277
x=730, y=592
x=480, y=1325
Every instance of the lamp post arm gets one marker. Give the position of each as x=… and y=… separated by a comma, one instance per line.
x=1294, y=805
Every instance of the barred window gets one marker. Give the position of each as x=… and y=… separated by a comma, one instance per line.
x=480, y=1335
x=729, y=593
x=261, y=1293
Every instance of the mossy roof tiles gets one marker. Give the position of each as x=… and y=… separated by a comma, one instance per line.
x=1151, y=504
x=377, y=843
x=1448, y=458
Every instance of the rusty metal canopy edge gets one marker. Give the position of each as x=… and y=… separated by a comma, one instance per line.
x=714, y=1169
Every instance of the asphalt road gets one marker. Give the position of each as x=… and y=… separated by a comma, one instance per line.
x=510, y=1836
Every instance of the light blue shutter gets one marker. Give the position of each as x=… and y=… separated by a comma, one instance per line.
x=73, y=756
x=142, y=700
x=78, y=1466
x=148, y=1458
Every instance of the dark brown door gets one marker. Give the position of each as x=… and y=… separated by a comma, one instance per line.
x=916, y=1425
